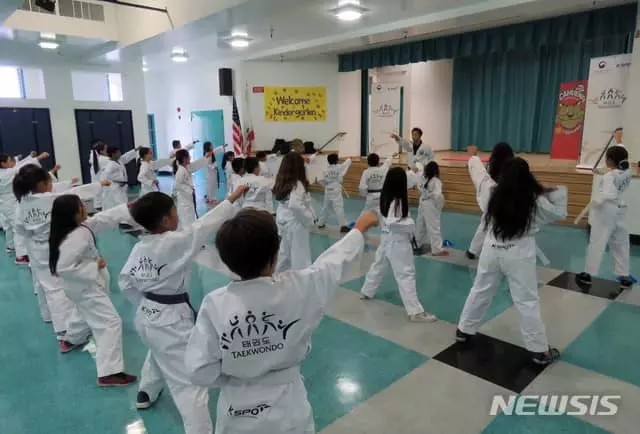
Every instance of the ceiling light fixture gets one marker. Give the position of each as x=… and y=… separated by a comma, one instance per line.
x=349, y=11
x=239, y=39
x=48, y=41
x=179, y=55
x=145, y=68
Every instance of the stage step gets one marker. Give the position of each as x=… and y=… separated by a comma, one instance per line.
x=460, y=195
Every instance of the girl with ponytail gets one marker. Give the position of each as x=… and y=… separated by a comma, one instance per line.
x=97, y=163
x=183, y=189
x=608, y=211
x=34, y=190
x=74, y=258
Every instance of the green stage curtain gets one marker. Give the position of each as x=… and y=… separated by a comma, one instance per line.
x=512, y=96
x=580, y=28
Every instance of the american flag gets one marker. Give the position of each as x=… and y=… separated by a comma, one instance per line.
x=237, y=130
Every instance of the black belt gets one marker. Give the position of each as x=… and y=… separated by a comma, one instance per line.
x=195, y=206
x=171, y=299
x=374, y=191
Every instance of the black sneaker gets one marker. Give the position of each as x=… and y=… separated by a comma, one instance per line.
x=470, y=255
x=322, y=226
x=461, y=336
x=143, y=401
x=626, y=282
x=344, y=229
x=583, y=279
x=546, y=358
x=419, y=251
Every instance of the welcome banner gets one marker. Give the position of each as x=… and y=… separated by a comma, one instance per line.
x=567, y=133
x=385, y=118
x=606, y=97
x=295, y=104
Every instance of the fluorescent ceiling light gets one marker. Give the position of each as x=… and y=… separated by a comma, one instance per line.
x=48, y=45
x=179, y=55
x=349, y=11
x=113, y=56
x=239, y=39
x=145, y=68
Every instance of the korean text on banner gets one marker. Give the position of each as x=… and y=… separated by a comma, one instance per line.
x=295, y=104
x=606, y=97
x=567, y=132
x=385, y=118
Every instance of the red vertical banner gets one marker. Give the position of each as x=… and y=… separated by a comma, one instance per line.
x=567, y=131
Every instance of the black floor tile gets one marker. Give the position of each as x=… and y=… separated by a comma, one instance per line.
x=599, y=288
x=496, y=361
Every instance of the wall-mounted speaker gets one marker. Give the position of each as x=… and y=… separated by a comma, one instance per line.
x=225, y=79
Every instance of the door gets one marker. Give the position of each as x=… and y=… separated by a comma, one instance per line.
x=207, y=125
x=23, y=130
x=115, y=127
x=151, y=122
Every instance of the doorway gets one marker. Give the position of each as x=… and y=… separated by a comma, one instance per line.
x=115, y=127
x=207, y=125
x=23, y=130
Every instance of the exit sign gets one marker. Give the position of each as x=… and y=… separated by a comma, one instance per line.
x=258, y=89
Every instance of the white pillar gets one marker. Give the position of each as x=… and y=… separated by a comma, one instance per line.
x=632, y=132
x=632, y=106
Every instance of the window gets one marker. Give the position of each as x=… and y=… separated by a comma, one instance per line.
x=21, y=83
x=10, y=82
x=96, y=86
x=115, y=87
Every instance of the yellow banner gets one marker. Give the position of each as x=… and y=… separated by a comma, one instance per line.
x=295, y=104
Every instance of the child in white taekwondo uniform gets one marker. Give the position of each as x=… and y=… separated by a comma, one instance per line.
x=9, y=167
x=395, y=245
x=294, y=215
x=372, y=181
x=36, y=192
x=251, y=336
x=212, y=172
x=259, y=193
x=265, y=172
x=74, y=257
x=431, y=203
x=236, y=179
x=608, y=220
x=418, y=153
x=183, y=189
x=484, y=181
x=97, y=163
x=115, y=172
x=518, y=206
x=147, y=172
x=331, y=180
x=227, y=159
x=156, y=279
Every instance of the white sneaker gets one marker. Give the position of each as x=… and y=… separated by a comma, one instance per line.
x=423, y=317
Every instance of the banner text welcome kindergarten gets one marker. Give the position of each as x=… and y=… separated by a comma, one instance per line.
x=295, y=104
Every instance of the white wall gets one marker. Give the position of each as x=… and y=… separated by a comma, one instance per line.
x=61, y=105
x=631, y=124
x=195, y=87
x=192, y=88
x=430, y=98
x=349, y=113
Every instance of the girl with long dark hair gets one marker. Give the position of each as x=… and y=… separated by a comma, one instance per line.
x=518, y=206
x=34, y=190
x=115, y=172
x=183, y=188
x=9, y=167
x=395, y=245
x=294, y=215
x=147, y=170
x=97, y=163
x=608, y=220
x=430, y=210
x=484, y=179
x=74, y=258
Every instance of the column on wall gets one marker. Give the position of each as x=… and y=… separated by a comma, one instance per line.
x=631, y=124
x=349, y=118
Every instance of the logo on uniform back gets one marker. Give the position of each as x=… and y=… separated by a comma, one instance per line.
x=37, y=216
x=146, y=269
x=256, y=336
